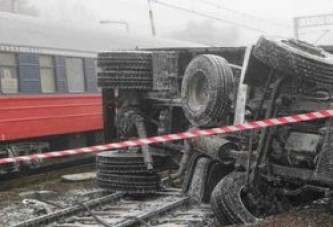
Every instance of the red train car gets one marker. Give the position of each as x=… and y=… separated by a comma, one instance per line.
x=30, y=116
x=48, y=94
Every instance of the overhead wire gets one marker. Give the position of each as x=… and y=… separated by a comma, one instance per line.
x=243, y=14
x=245, y=26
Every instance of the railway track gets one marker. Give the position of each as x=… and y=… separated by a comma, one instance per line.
x=122, y=210
x=26, y=178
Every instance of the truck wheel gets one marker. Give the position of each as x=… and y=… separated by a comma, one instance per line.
x=126, y=171
x=233, y=204
x=227, y=201
x=125, y=60
x=206, y=90
x=295, y=58
x=127, y=70
x=216, y=172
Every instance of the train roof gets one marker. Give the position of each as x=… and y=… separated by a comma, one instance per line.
x=31, y=34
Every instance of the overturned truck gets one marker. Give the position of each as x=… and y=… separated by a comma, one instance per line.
x=247, y=175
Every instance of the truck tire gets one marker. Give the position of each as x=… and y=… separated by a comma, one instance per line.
x=216, y=172
x=127, y=70
x=227, y=203
x=125, y=79
x=206, y=90
x=295, y=58
x=126, y=171
x=144, y=184
x=123, y=157
x=232, y=204
x=126, y=163
x=128, y=55
x=125, y=60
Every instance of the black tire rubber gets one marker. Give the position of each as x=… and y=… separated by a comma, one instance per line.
x=226, y=200
x=126, y=86
x=125, y=80
x=129, y=171
x=119, y=65
x=123, y=157
x=127, y=70
x=295, y=58
x=140, y=55
x=216, y=172
x=139, y=80
x=125, y=169
x=206, y=89
x=142, y=179
x=129, y=189
x=133, y=164
x=129, y=183
x=124, y=74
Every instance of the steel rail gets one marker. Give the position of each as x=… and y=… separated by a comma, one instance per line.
x=131, y=220
x=70, y=211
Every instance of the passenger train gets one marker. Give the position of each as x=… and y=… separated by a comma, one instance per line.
x=48, y=94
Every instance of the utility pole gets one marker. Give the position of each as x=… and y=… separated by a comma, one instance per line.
x=151, y=18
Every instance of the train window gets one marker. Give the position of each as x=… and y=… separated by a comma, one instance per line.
x=47, y=74
x=75, y=75
x=8, y=73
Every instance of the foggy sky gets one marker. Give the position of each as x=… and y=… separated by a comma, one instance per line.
x=277, y=17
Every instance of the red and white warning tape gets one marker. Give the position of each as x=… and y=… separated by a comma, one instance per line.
x=177, y=136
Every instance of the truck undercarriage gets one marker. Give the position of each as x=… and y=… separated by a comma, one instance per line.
x=246, y=175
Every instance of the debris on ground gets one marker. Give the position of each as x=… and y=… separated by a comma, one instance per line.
x=79, y=176
x=38, y=194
